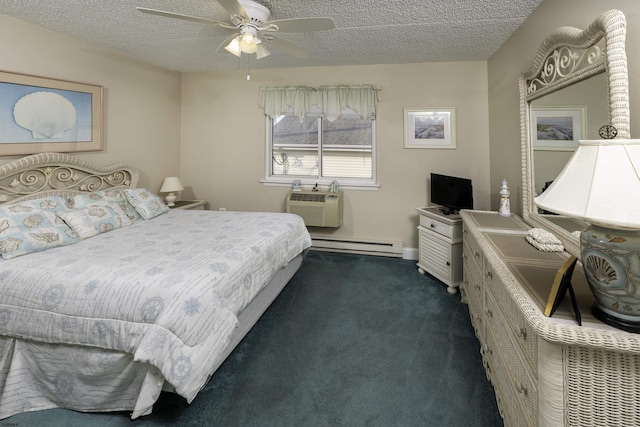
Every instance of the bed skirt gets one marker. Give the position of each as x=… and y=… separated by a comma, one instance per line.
x=103, y=380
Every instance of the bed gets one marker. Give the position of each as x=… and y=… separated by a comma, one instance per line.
x=108, y=297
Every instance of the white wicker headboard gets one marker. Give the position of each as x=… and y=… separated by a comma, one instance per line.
x=59, y=174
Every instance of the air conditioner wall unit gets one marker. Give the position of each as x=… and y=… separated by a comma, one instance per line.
x=317, y=208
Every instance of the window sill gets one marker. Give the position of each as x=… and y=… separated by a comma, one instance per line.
x=308, y=185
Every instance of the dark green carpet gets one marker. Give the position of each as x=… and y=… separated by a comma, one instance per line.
x=351, y=341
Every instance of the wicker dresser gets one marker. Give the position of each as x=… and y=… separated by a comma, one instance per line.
x=545, y=371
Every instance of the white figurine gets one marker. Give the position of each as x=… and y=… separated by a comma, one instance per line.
x=505, y=205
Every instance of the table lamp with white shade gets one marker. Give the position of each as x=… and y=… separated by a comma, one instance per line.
x=601, y=185
x=171, y=185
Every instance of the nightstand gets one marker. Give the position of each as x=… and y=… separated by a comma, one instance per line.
x=190, y=204
x=440, y=246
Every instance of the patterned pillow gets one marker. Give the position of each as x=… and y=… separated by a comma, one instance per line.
x=96, y=219
x=146, y=203
x=81, y=201
x=51, y=203
x=33, y=226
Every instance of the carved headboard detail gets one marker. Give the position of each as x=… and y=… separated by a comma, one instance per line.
x=59, y=174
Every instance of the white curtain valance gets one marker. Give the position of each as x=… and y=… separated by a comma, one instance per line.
x=276, y=101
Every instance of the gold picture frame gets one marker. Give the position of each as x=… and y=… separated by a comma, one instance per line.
x=39, y=115
x=562, y=284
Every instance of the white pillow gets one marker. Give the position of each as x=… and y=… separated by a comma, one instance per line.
x=96, y=219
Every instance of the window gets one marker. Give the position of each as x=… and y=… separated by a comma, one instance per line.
x=321, y=139
x=320, y=150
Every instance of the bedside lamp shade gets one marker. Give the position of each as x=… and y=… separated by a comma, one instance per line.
x=601, y=185
x=171, y=185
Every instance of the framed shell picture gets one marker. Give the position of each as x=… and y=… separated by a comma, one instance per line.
x=39, y=114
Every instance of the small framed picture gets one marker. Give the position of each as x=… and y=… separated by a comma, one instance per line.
x=562, y=284
x=429, y=128
x=557, y=128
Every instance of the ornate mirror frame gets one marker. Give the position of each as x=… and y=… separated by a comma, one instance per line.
x=567, y=56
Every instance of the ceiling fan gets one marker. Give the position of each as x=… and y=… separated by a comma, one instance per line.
x=251, y=22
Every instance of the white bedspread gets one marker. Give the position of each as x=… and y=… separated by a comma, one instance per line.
x=166, y=290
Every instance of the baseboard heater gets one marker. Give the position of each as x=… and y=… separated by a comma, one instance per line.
x=357, y=246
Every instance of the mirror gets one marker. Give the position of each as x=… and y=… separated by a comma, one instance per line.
x=578, y=76
x=587, y=101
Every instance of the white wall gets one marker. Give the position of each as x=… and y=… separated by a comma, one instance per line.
x=224, y=131
x=141, y=101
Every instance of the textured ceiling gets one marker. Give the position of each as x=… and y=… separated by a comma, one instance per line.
x=367, y=31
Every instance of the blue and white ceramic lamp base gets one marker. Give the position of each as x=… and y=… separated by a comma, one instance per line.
x=611, y=261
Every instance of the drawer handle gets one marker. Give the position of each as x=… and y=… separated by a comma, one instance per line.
x=433, y=225
x=448, y=263
x=521, y=332
x=477, y=254
x=476, y=285
x=521, y=388
x=484, y=350
x=488, y=312
x=487, y=350
x=489, y=274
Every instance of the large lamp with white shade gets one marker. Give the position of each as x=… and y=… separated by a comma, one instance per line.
x=601, y=185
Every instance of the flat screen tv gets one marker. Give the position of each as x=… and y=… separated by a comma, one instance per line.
x=452, y=193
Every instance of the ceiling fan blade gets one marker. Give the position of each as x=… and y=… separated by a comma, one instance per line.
x=233, y=7
x=301, y=25
x=181, y=16
x=287, y=47
x=226, y=42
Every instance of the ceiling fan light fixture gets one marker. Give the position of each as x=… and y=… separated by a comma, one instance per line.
x=234, y=47
x=262, y=51
x=250, y=22
x=248, y=43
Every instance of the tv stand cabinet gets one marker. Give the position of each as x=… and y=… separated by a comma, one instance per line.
x=440, y=246
x=546, y=371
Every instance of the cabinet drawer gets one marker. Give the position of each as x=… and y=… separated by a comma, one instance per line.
x=508, y=401
x=470, y=257
x=471, y=248
x=450, y=231
x=490, y=278
x=519, y=379
x=472, y=280
x=523, y=334
x=475, y=314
